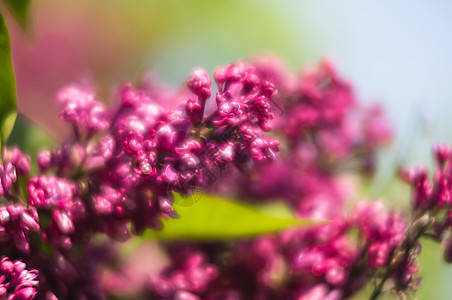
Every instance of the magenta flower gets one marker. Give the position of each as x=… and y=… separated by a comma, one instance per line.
x=7, y=177
x=16, y=282
x=16, y=225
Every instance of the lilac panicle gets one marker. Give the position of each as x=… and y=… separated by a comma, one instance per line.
x=314, y=263
x=199, y=84
x=118, y=174
x=431, y=199
x=20, y=161
x=79, y=107
x=16, y=282
x=50, y=192
x=58, y=198
x=124, y=165
x=16, y=225
x=14, y=164
x=192, y=276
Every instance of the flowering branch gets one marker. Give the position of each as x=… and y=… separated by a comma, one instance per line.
x=118, y=174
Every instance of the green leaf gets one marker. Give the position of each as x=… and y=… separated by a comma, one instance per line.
x=20, y=9
x=8, y=98
x=215, y=219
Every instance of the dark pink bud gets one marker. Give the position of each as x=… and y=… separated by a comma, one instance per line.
x=379, y=254
x=63, y=222
x=21, y=242
x=442, y=153
x=102, y=205
x=250, y=83
x=220, y=75
x=169, y=175
x=20, y=161
x=129, y=98
x=25, y=293
x=44, y=160
x=4, y=215
x=6, y=265
x=199, y=84
x=223, y=97
x=336, y=276
x=307, y=259
x=184, y=295
x=227, y=152
x=22, y=283
x=234, y=73
x=105, y=201
x=29, y=221
x=193, y=110
x=268, y=89
x=97, y=119
x=7, y=177
x=75, y=102
x=163, y=288
x=118, y=230
x=19, y=266
x=190, y=145
x=166, y=137
x=317, y=292
x=133, y=142
x=166, y=206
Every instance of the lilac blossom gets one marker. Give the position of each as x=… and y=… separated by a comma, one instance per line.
x=79, y=107
x=117, y=175
x=326, y=132
x=16, y=225
x=192, y=277
x=118, y=172
x=148, y=152
x=325, y=129
x=7, y=177
x=16, y=282
x=317, y=263
x=20, y=161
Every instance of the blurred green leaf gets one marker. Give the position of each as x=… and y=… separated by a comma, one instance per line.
x=20, y=9
x=274, y=208
x=8, y=98
x=434, y=271
x=211, y=218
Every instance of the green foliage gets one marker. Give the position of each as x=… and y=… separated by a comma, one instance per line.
x=8, y=98
x=211, y=218
x=20, y=9
x=435, y=272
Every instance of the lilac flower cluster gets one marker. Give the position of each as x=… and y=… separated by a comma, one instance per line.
x=16, y=282
x=191, y=274
x=149, y=152
x=431, y=199
x=118, y=172
x=14, y=164
x=325, y=134
x=318, y=263
x=16, y=225
x=116, y=176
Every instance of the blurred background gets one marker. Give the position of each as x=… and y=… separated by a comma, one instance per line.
x=395, y=52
